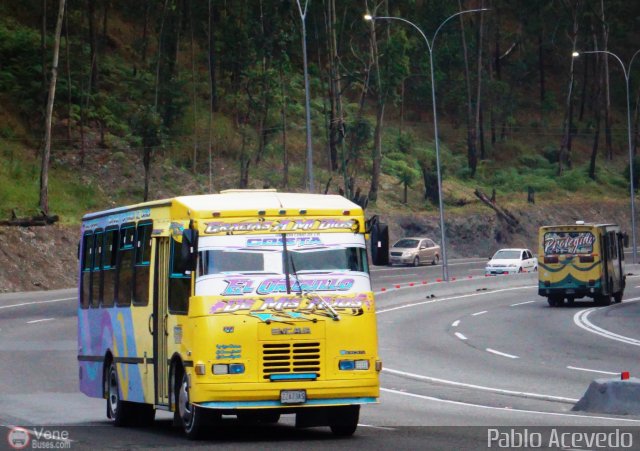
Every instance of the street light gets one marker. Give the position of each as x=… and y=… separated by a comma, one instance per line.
x=430, y=45
x=627, y=72
x=303, y=16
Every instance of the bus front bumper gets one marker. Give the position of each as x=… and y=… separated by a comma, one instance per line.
x=267, y=395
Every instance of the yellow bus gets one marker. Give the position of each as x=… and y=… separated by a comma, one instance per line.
x=581, y=260
x=249, y=302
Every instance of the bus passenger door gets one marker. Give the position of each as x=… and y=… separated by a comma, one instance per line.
x=160, y=314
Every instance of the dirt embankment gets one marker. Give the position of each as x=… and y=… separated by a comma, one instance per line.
x=45, y=258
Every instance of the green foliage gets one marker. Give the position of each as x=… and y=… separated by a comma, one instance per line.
x=20, y=66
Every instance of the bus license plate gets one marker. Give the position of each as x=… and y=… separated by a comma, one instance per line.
x=293, y=396
x=571, y=291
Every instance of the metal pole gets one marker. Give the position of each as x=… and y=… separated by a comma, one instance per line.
x=430, y=45
x=310, y=185
x=631, y=187
x=627, y=73
x=445, y=269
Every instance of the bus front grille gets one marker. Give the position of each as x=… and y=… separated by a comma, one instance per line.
x=290, y=358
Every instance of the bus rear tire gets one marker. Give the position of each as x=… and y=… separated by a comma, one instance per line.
x=344, y=420
x=121, y=412
x=555, y=301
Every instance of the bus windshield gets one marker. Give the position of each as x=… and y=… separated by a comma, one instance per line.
x=568, y=243
x=264, y=254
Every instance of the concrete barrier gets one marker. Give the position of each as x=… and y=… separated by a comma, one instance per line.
x=407, y=293
x=419, y=291
x=613, y=396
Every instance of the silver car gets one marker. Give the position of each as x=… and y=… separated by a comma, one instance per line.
x=414, y=251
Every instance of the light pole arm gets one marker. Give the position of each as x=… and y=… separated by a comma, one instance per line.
x=451, y=17
x=410, y=23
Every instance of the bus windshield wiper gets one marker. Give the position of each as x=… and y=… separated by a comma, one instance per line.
x=289, y=258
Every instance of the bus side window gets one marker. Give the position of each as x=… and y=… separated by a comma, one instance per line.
x=109, y=259
x=125, y=266
x=142, y=266
x=179, y=281
x=96, y=275
x=87, y=264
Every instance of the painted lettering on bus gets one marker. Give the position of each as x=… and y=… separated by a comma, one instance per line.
x=270, y=286
x=282, y=225
x=278, y=241
x=284, y=303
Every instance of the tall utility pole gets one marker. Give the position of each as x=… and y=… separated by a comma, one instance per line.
x=303, y=16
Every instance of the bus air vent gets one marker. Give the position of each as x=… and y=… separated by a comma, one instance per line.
x=290, y=358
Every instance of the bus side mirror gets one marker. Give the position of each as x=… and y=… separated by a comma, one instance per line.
x=625, y=239
x=379, y=244
x=189, y=250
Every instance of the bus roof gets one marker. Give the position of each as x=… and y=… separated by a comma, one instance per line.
x=248, y=203
x=586, y=224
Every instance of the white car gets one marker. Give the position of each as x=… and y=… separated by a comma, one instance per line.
x=511, y=261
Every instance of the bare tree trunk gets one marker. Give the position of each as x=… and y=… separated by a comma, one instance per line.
x=636, y=119
x=564, y=156
x=598, y=111
x=285, y=152
x=46, y=153
x=479, y=87
x=43, y=50
x=336, y=124
x=68, y=69
x=211, y=97
x=472, y=157
x=93, y=45
x=585, y=81
x=607, y=87
x=541, y=72
x=194, y=163
x=145, y=32
x=380, y=105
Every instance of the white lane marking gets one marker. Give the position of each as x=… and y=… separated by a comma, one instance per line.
x=521, y=303
x=479, y=313
x=376, y=427
x=503, y=354
x=456, y=323
x=480, y=387
x=460, y=336
x=37, y=302
x=39, y=320
x=482, y=293
x=506, y=409
x=582, y=321
x=592, y=371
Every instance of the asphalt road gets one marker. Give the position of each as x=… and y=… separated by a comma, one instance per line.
x=457, y=368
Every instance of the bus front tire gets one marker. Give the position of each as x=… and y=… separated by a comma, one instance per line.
x=617, y=297
x=194, y=419
x=344, y=420
x=603, y=299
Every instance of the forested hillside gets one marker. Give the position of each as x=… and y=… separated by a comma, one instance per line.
x=168, y=97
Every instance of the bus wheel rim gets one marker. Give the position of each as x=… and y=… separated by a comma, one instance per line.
x=184, y=405
x=114, y=395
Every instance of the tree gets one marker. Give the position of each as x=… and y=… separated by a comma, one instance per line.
x=46, y=151
x=401, y=163
x=147, y=125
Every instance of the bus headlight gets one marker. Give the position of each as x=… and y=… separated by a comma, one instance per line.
x=349, y=365
x=224, y=368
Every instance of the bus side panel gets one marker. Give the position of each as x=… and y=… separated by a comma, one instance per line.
x=111, y=330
